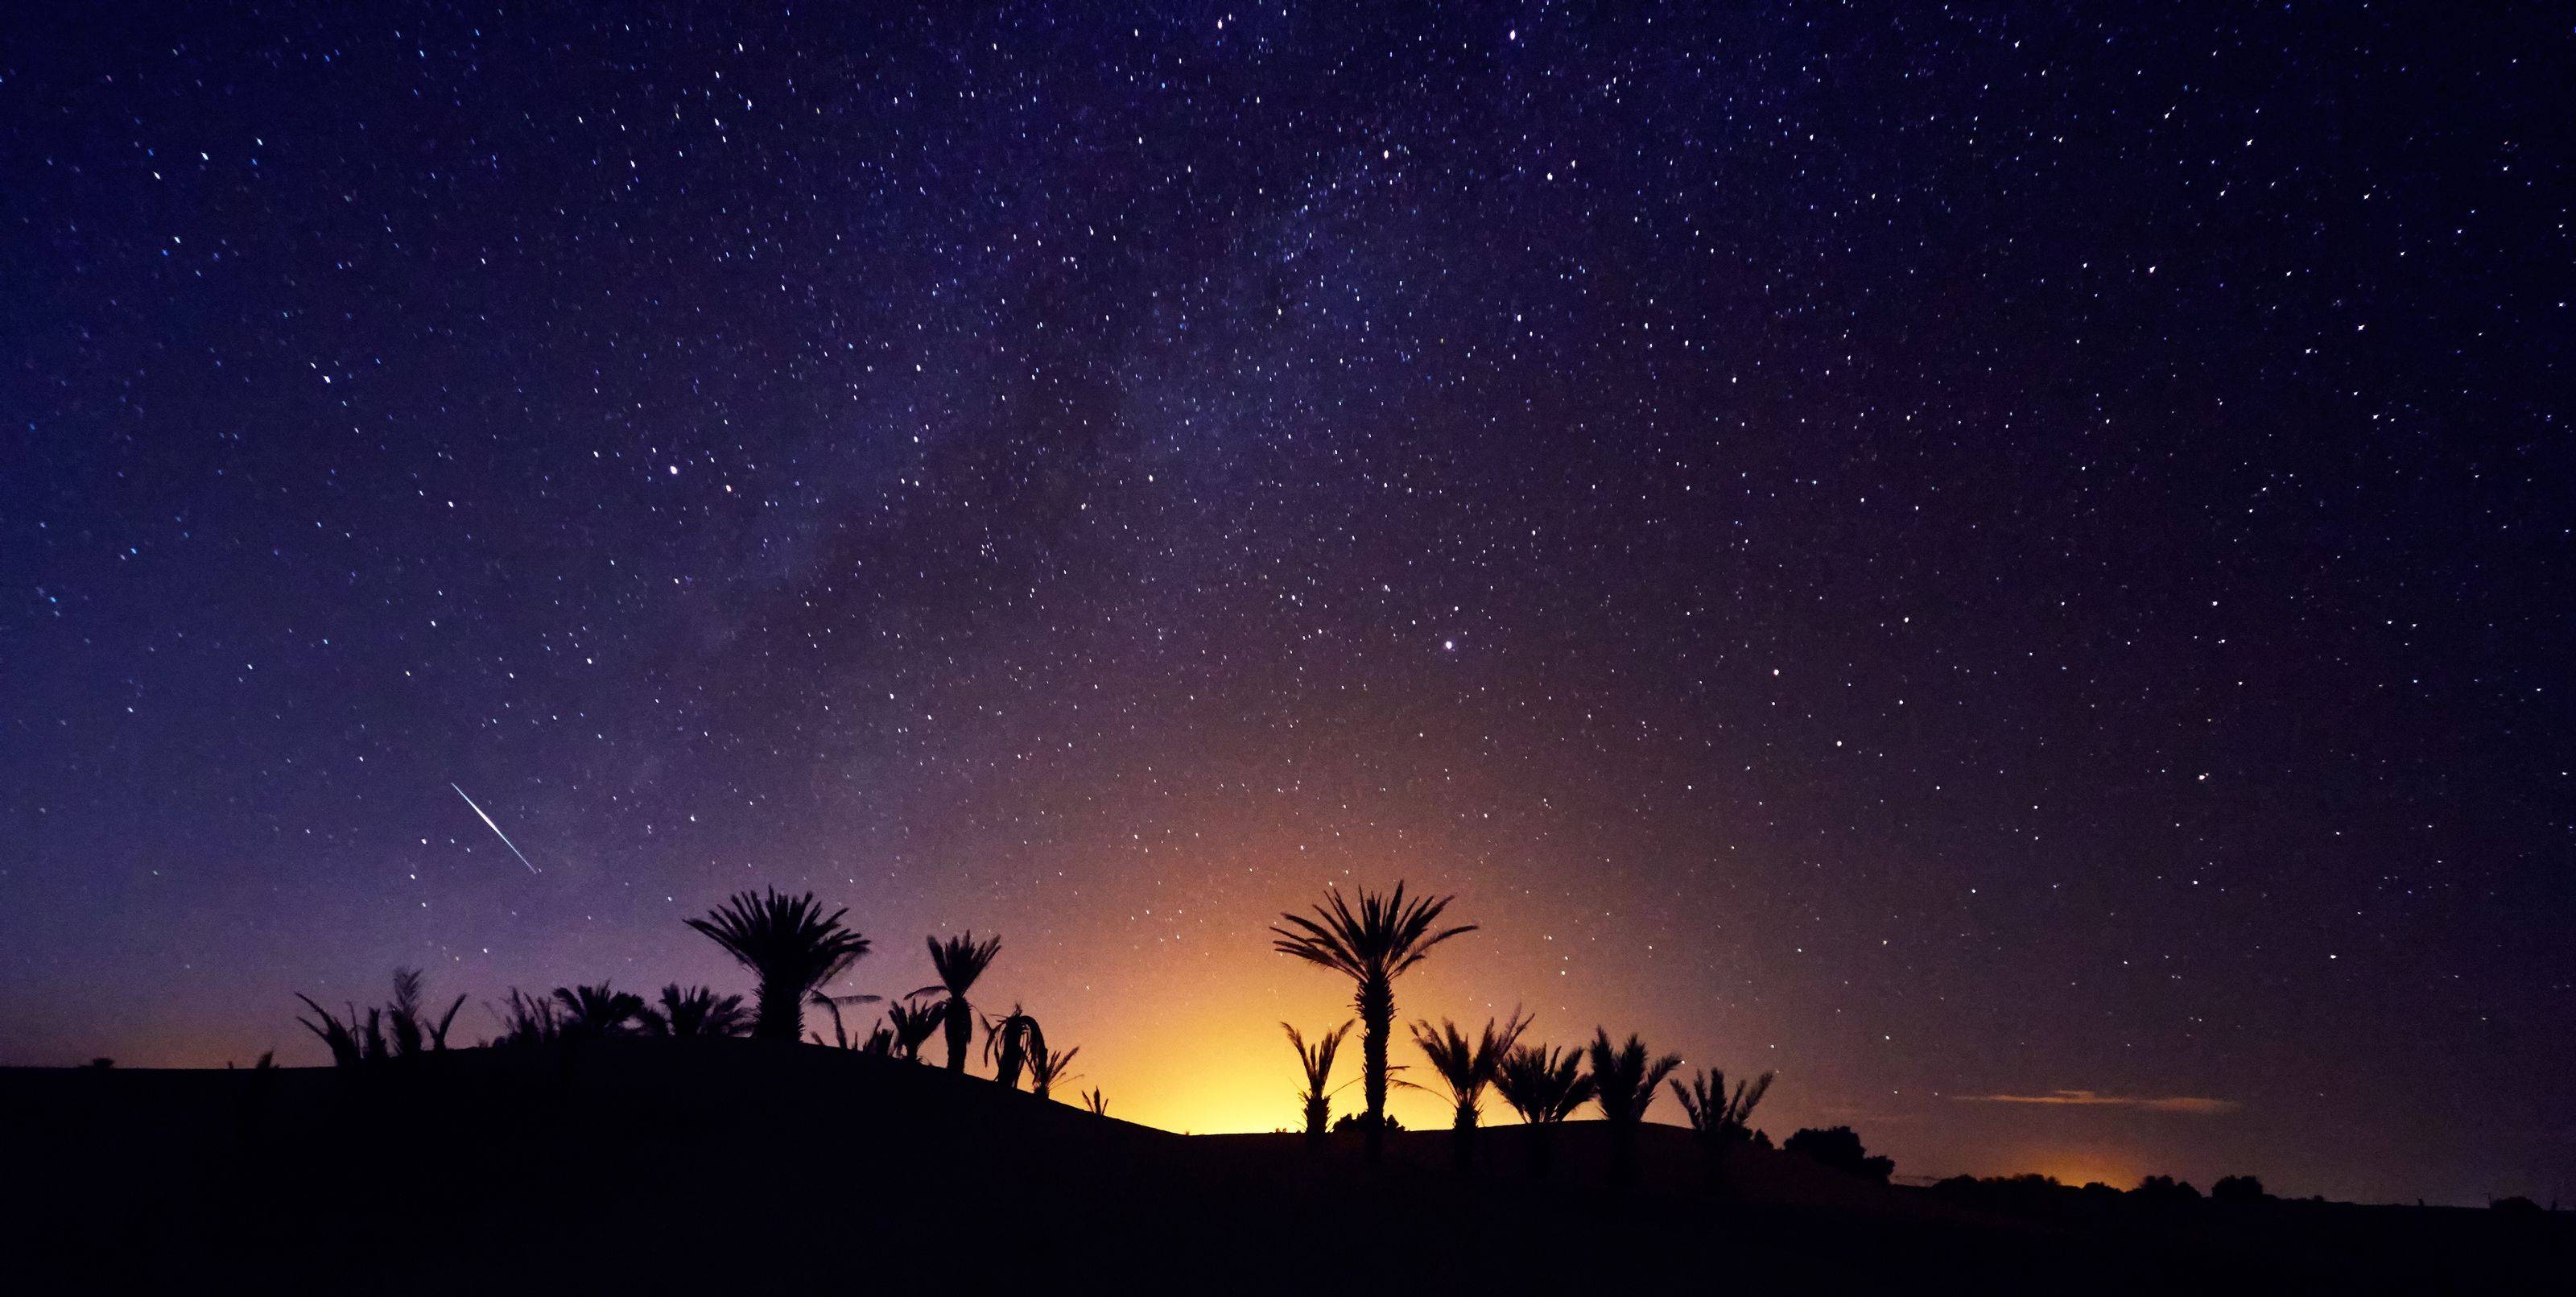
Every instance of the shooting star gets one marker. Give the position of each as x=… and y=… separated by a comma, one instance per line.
x=496, y=831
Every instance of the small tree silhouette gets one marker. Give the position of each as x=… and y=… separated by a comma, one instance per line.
x=790, y=946
x=1372, y=946
x=1091, y=1100
x=1465, y=1068
x=1544, y=1086
x=1007, y=1045
x=1316, y=1062
x=1717, y=1120
x=912, y=1022
x=1840, y=1148
x=959, y=961
x=1624, y=1084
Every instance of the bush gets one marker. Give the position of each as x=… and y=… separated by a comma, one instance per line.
x=1840, y=1148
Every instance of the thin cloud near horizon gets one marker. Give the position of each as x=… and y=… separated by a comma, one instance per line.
x=2094, y=1099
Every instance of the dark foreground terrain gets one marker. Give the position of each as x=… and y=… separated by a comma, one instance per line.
x=733, y=1166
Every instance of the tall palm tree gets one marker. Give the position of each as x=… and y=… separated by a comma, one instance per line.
x=1624, y=1084
x=594, y=1011
x=1008, y=1044
x=912, y=1022
x=1046, y=1067
x=1719, y=1121
x=1317, y=1062
x=1465, y=1068
x=959, y=960
x=790, y=946
x=695, y=1011
x=1544, y=1086
x=1373, y=946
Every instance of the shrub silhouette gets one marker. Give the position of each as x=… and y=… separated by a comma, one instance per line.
x=401, y=1029
x=528, y=1019
x=1465, y=1068
x=2164, y=1191
x=831, y=1004
x=911, y=1023
x=592, y=1012
x=1372, y=946
x=1091, y=1101
x=1623, y=1084
x=1316, y=1062
x=695, y=1011
x=1544, y=1086
x=1840, y=1148
x=790, y=946
x=1046, y=1066
x=2237, y=1188
x=959, y=961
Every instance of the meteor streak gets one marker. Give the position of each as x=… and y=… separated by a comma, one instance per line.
x=496, y=831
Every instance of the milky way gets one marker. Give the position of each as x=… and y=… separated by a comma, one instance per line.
x=2012, y=569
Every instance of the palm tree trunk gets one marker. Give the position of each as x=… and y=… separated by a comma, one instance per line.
x=780, y=1015
x=1319, y=1114
x=1377, y=1014
x=959, y=1023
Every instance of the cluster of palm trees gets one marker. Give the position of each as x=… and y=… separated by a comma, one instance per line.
x=793, y=949
x=1387, y=934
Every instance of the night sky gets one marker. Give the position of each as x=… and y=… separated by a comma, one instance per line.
x=1968, y=557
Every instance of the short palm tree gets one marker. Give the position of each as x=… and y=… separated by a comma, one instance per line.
x=1316, y=1060
x=959, y=960
x=695, y=1011
x=401, y=1029
x=912, y=1022
x=790, y=946
x=1372, y=946
x=1465, y=1068
x=831, y=1004
x=1008, y=1044
x=1046, y=1066
x=1544, y=1086
x=1715, y=1118
x=590, y=1012
x=1093, y=1103
x=1624, y=1084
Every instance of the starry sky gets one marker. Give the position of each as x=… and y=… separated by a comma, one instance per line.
x=2012, y=567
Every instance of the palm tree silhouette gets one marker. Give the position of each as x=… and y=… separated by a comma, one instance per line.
x=1465, y=1068
x=959, y=960
x=1717, y=1120
x=1372, y=947
x=1008, y=1044
x=593, y=1011
x=1624, y=1083
x=1046, y=1067
x=1544, y=1086
x=912, y=1022
x=1091, y=1100
x=401, y=1029
x=1317, y=1062
x=790, y=946
x=695, y=1011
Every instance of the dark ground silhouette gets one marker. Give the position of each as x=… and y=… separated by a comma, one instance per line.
x=744, y=1166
